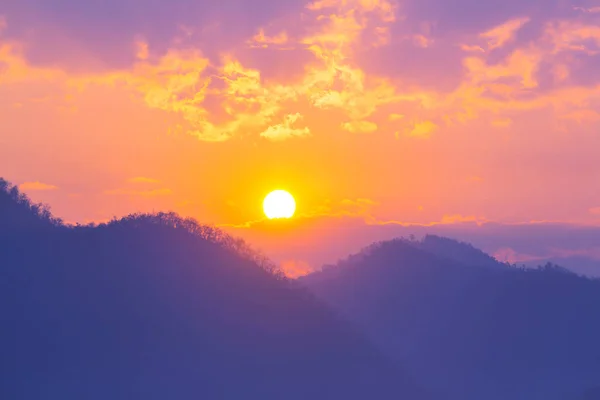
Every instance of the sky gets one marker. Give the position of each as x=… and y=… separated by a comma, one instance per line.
x=381, y=117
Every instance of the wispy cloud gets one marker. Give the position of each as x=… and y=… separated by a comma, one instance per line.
x=501, y=35
x=422, y=129
x=591, y=10
x=285, y=130
x=359, y=126
x=36, y=187
x=141, y=193
x=261, y=39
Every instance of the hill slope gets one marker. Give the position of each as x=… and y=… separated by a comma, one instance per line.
x=473, y=332
x=156, y=307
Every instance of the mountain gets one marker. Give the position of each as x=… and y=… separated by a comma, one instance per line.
x=581, y=265
x=467, y=326
x=462, y=252
x=159, y=307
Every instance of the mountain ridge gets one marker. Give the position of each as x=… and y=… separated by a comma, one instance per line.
x=470, y=331
x=156, y=306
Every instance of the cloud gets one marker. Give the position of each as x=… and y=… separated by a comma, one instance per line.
x=263, y=40
x=595, y=210
x=591, y=10
x=447, y=219
x=359, y=202
x=521, y=64
x=142, y=52
x=91, y=31
x=359, y=126
x=285, y=130
x=472, y=48
x=36, y=186
x=219, y=96
x=508, y=255
x=501, y=35
x=573, y=36
x=140, y=193
x=422, y=129
x=422, y=41
x=295, y=269
x=395, y=117
x=457, y=218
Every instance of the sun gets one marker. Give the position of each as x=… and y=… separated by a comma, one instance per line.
x=279, y=204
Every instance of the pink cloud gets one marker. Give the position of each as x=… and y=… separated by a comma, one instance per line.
x=295, y=269
x=502, y=34
x=141, y=193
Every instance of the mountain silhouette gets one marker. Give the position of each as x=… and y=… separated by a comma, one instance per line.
x=468, y=326
x=462, y=252
x=160, y=307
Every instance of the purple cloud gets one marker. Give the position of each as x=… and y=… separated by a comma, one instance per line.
x=107, y=30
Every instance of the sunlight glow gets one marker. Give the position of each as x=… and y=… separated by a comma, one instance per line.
x=279, y=204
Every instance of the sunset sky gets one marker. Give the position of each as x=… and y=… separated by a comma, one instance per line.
x=379, y=116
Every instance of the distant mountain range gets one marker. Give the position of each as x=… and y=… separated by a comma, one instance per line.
x=155, y=307
x=467, y=325
x=158, y=307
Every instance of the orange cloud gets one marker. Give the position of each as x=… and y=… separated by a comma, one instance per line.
x=142, y=51
x=285, y=130
x=264, y=40
x=36, y=186
x=219, y=100
x=422, y=129
x=16, y=69
x=472, y=48
x=359, y=126
x=422, y=41
x=502, y=34
x=457, y=218
x=522, y=64
x=572, y=36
